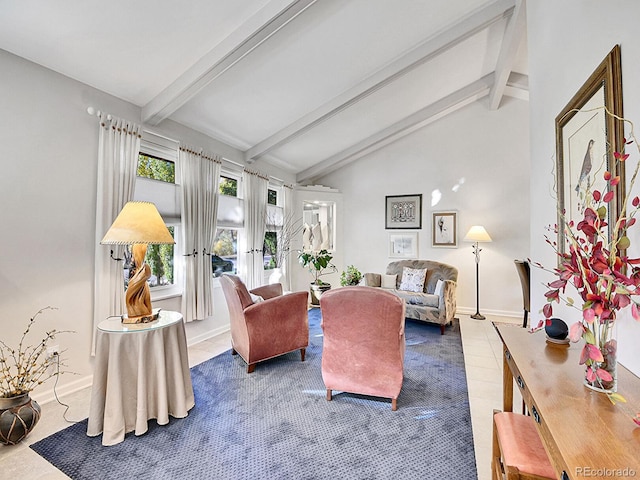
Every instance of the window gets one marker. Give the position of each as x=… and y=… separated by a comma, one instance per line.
x=229, y=222
x=269, y=249
x=272, y=196
x=160, y=259
x=273, y=219
x=157, y=182
x=156, y=168
x=228, y=186
x=224, y=256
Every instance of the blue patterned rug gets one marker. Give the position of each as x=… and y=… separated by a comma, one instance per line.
x=276, y=424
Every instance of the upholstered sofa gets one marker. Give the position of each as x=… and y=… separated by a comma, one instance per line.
x=436, y=303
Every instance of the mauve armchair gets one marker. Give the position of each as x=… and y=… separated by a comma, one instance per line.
x=363, y=346
x=268, y=328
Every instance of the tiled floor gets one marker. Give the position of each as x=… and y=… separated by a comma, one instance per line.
x=483, y=359
x=483, y=362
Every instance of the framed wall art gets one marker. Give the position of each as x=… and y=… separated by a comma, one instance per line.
x=403, y=245
x=444, y=229
x=403, y=211
x=586, y=138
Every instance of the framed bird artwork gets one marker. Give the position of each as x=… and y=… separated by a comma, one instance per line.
x=586, y=139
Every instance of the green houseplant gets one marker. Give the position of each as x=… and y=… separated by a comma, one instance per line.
x=350, y=276
x=318, y=263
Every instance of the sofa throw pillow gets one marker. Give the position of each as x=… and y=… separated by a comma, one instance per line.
x=256, y=298
x=372, y=280
x=438, y=289
x=413, y=279
x=389, y=281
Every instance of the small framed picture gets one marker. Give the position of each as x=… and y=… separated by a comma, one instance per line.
x=444, y=230
x=403, y=211
x=403, y=245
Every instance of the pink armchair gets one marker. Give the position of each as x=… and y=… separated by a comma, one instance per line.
x=268, y=328
x=363, y=346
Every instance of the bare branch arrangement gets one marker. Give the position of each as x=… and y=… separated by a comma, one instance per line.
x=290, y=228
x=24, y=368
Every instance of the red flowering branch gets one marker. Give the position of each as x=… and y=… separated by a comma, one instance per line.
x=596, y=264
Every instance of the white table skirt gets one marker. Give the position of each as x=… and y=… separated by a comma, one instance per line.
x=141, y=373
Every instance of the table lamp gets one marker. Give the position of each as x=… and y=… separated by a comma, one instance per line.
x=477, y=234
x=138, y=224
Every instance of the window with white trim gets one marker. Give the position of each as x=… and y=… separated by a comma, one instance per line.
x=157, y=182
x=229, y=224
x=224, y=256
x=273, y=226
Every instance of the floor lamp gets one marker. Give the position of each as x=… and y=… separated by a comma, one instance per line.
x=477, y=234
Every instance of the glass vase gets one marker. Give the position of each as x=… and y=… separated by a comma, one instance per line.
x=595, y=376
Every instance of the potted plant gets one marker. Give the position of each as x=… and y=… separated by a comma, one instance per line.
x=21, y=370
x=350, y=277
x=318, y=263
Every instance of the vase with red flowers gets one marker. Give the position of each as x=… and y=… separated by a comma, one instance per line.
x=595, y=263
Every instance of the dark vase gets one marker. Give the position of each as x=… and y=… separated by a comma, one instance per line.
x=18, y=416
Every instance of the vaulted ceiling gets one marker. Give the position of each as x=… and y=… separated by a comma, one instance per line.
x=308, y=85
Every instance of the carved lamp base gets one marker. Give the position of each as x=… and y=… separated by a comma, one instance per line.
x=138, y=296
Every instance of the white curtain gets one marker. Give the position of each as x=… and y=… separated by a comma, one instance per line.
x=288, y=215
x=118, y=149
x=255, y=208
x=200, y=175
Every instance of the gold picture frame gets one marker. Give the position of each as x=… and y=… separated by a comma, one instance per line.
x=444, y=229
x=586, y=138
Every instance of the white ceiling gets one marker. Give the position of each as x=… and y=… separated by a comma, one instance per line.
x=309, y=85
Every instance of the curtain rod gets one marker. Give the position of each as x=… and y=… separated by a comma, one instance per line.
x=92, y=111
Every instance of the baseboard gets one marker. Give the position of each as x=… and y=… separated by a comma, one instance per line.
x=484, y=311
x=207, y=335
x=46, y=396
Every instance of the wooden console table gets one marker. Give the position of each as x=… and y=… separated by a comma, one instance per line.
x=584, y=434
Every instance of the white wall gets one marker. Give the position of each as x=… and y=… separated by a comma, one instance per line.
x=490, y=150
x=48, y=156
x=567, y=41
x=48, y=152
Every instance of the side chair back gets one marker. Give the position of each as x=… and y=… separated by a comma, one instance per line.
x=524, y=272
x=363, y=346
